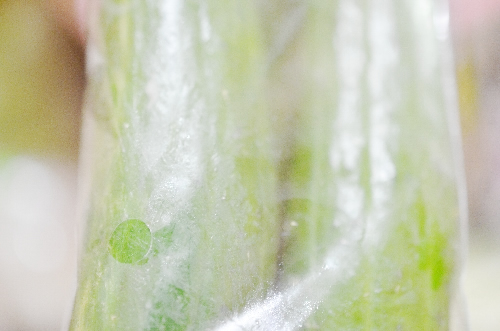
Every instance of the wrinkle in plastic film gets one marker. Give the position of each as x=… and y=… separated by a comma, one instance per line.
x=272, y=165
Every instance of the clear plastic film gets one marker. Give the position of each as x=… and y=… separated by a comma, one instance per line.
x=270, y=165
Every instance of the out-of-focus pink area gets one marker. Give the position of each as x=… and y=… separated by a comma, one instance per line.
x=471, y=14
x=71, y=16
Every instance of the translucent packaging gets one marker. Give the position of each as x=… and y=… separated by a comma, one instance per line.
x=270, y=165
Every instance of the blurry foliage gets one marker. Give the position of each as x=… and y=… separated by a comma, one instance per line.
x=41, y=78
x=468, y=93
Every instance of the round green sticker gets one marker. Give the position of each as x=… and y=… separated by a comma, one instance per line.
x=130, y=242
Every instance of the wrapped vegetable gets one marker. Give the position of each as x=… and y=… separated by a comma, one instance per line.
x=270, y=166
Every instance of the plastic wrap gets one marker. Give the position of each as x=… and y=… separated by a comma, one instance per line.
x=270, y=165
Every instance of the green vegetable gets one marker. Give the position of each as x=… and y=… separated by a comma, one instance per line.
x=292, y=166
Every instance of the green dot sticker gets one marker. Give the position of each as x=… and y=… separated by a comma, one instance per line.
x=130, y=242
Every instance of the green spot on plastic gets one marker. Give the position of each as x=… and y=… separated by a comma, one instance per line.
x=130, y=242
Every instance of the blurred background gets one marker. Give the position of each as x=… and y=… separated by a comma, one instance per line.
x=475, y=27
x=41, y=85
